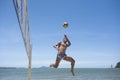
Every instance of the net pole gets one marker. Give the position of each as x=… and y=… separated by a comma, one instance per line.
x=29, y=50
x=29, y=64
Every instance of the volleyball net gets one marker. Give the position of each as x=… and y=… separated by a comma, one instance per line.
x=22, y=15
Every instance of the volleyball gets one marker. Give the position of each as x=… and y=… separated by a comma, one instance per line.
x=65, y=24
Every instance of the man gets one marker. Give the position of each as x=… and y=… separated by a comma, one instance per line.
x=61, y=48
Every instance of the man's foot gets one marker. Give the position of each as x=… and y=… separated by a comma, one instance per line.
x=51, y=65
x=72, y=72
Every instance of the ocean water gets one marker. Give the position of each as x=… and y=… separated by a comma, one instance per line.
x=60, y=74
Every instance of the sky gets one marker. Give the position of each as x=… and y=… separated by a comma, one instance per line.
x=94, y=31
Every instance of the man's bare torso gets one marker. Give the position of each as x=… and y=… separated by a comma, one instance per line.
x=62, y=48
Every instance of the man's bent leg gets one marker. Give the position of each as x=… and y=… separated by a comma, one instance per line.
x=56, y=63
x=70, y=59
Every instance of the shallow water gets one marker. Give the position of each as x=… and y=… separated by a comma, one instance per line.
x=61, y=74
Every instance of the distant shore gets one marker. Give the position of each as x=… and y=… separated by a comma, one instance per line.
x=8, y=67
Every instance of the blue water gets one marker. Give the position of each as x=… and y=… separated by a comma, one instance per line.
x=61, y=74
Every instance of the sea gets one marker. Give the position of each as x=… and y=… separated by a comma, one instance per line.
x=60, y=74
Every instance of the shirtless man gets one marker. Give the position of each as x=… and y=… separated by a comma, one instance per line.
x=61, y=48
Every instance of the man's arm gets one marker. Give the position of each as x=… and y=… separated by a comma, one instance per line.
x=68, y=41
x=57, y=45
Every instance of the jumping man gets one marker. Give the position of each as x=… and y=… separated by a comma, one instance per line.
x=61, y=48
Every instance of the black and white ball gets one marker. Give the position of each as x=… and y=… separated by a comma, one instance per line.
x=65, y=24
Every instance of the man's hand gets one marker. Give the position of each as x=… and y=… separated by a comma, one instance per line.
x=65, y=35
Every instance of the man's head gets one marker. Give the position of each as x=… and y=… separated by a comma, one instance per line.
x=65, y=40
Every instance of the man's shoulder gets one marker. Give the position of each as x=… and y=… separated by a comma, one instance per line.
x=59, y=42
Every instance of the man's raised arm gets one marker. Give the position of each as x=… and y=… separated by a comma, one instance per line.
x=68, y=41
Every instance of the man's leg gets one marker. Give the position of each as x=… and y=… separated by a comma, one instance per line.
x=56, y=63
x=70, y=59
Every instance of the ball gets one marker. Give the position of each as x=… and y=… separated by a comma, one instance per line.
x=65, y=24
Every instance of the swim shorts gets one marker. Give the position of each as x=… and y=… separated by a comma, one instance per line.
x=61, y=55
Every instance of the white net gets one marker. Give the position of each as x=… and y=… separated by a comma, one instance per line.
x=22, y=15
